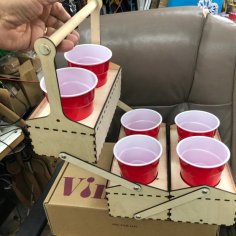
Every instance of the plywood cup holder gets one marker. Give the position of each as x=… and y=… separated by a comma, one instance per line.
x=126, y=203
x=169, y=198
x=218, y=206
x=51, y=132
x=80, y=143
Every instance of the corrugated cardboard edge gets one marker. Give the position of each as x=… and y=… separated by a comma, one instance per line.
x=51, y=192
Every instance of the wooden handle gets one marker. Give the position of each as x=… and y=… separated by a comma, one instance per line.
x=98, y=171
x=95, y=23
x=175, y=202
x=124, y=106
x=46, y=49
x=71, y=24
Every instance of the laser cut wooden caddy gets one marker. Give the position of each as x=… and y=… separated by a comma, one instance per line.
x=80, y=143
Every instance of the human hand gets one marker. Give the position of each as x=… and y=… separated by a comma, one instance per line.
x=23, y=21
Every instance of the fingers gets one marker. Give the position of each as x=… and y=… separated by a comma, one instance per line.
x=46, y=13
x=53, y=22
x=57, y=17
x=65, y=45
x=73, y=38
x=59, y=12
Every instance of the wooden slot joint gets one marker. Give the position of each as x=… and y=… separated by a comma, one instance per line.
x=174, y=202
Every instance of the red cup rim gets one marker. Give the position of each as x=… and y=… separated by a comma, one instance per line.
x=67, y=55
x=140, y=109
x=76, y=94
x=130, y=137
x=197, y=111
x=207, y=139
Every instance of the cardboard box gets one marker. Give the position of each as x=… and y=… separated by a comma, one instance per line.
x=14, y=99
x=19, y=101
x=32, y=56
x=76, y=205
x=30, y=83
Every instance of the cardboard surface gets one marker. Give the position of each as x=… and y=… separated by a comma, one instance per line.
x=76, y=205
x=19, y=101
x=14, y=98
x=31, y=89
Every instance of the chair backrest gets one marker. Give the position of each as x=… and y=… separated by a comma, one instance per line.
x=175, y=59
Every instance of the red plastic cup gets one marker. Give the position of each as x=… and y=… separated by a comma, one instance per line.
x=232, y=16
x=202, y=160
x=196, y=123
x=138, y=157
x=92, y=57
x=141, y=121
x=77, y=88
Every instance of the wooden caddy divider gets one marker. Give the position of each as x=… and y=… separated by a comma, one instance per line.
x=80, y=143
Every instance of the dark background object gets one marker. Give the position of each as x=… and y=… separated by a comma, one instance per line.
x=109, y=6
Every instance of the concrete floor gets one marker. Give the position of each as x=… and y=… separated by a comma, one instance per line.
x=11, y=225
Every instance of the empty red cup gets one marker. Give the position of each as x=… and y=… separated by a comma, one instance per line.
x=77, y=88
x=202, y=160
x=141, y=121
x=138, y=157
x=196, y=123
x=92, y=57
